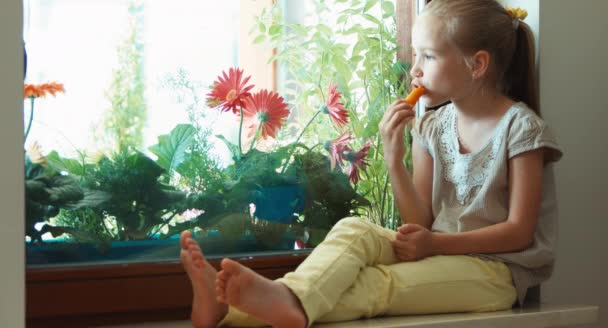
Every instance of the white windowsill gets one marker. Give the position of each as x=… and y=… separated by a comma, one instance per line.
x=543, y=316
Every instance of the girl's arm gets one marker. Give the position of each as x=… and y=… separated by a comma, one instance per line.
x=413, y=196
x=515, y=234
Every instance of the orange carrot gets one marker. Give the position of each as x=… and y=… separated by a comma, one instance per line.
x=414, y=95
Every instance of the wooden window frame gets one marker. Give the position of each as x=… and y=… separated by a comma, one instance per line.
x=124, y=293
x=143, y=292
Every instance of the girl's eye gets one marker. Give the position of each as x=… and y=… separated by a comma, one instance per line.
x=429, y=57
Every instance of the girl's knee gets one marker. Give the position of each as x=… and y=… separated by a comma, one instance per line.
x=352, y=223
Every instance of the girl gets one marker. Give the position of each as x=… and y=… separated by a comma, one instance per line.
x=479, y=211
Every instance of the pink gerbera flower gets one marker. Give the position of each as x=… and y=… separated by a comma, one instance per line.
x=357, y=162
x=229, y=91
x=338, y=149
x=335, y=109
x=267, y=110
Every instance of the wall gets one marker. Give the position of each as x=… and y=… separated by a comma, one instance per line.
x=12, y=299
x=572, y=43
x=573, y=89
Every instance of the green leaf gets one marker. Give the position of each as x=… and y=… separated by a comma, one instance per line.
x=299, y=29
x=92, y=198
x=171, y=148
x=342, y=19
x=356, y=59
x=275, y=29
x=349, y=12
x=388, y=9
x=259, y=39
x=234, y=149
x=359, y=47
x=372, y=19
x=65, y=164
x=325, y=29
x=369, y=5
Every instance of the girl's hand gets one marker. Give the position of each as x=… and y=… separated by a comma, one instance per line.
x=413, y=242
x=392, y=128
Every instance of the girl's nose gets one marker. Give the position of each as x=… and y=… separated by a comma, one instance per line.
x=415, y=71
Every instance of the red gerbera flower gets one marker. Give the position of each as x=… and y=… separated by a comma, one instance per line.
x=265, y=108
x=229, y=91
x=335, y=108
x=338, y=148
x=357, y=162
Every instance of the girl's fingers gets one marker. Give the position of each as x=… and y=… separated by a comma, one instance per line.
x=401, y=237
x=399, y=118
x=395, y=107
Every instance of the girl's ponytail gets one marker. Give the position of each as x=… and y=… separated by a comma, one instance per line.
x=520, y=80
x=474, y=25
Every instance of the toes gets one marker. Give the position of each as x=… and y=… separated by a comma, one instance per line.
x=194, y=247
x=220, y=299
x=184, y=237
x=195, y=250
x=230, y=266
x=220, y=280
x=198, y=261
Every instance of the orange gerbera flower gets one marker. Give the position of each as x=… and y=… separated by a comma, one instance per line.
x=334, y=107
x=266, y=110
x=357, y=162
x=229, y=91
x=41, y=90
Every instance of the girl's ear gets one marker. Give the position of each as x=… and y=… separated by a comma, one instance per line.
x=480, y=63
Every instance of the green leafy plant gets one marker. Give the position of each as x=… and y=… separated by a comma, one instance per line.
x=140, y=205
x=198, y=169
x=47, y=190
x=321, y=195
x=124, y=121
x=352, y=43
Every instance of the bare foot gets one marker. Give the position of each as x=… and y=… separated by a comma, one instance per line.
x=267, y=300
x=206, y=311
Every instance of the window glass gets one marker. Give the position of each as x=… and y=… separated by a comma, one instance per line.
x=141, y=123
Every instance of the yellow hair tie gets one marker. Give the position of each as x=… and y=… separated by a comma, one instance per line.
x=517, y=13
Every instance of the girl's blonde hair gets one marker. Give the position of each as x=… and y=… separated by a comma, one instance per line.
x=473, y=25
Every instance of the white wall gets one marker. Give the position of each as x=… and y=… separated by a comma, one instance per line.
x=574, y=99
x=12, y=297
x=572, y=39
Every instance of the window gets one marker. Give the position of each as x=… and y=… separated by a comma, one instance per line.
x=142, y=60
x=126, y=84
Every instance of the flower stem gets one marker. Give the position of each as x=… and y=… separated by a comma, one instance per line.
x=307, y=125
x=29, y=124
x=299, y=137
x=240, y=132
x=255, y=137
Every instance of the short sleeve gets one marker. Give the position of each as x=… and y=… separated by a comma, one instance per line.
x=530, y=132
x=424, y=129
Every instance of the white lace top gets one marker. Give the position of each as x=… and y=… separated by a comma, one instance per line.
x=470, y=191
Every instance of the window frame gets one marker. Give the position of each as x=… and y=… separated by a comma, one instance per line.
x=124, y=293
x=77, y=296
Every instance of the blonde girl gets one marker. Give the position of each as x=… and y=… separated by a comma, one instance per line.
x=479, y=211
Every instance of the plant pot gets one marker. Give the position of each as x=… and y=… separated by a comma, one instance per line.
x=213, y=245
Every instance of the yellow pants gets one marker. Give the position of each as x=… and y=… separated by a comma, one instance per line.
x=354, y=274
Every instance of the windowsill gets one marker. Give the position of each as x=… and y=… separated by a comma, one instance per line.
x=126, y=292
x=532, y=317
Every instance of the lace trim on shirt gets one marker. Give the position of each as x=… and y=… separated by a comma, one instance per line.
x=467, y=172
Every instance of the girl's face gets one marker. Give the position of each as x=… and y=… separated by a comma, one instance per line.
x=438, y=65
